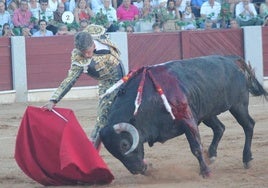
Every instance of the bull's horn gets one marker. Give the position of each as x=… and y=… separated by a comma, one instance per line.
x=131, y=130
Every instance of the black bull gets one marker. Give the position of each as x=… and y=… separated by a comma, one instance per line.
x=197, y=90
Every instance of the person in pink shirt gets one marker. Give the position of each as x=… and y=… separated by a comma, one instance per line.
x=22, y=16
x=127, y=12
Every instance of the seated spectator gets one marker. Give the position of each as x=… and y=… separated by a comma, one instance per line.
x=211, y=10
x=5, y=16
x=127, y=12
x=34, y=7
x=264, y=9
x=129, y=29
x=246, y=14
x=25, y=31
x=225, y=15
x=234, y=24
x=82, y=11
x=146, y=11
x=22, y=16
x=172, y=10
x=157, y=27
x=7, y=31
x=46, y=14
x=110, y=13
x=58, y=14
x=83, y=24
x=42, y=32
x=208, y=24
x=189, y=18
x=63, y=30
x=12, y=7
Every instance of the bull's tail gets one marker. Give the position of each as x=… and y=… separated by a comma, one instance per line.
x=255, y=88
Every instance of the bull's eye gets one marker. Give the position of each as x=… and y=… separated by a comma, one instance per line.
x=124, y=145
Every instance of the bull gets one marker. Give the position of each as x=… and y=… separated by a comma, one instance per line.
x=160, y=102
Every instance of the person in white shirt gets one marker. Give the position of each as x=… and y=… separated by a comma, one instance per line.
x=42, y=32
x=211, y=10
x=107, y=9
x=246, y=14
x=4, y=17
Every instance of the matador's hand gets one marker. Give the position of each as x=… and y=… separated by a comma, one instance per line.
x=50, y=105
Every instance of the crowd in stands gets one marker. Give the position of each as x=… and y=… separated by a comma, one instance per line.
x=47, y=18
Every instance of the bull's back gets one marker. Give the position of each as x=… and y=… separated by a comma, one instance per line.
x=212, y=84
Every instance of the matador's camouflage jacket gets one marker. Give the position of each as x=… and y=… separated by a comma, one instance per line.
x=104, y=66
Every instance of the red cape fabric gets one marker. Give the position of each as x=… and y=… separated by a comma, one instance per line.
x=52, y=151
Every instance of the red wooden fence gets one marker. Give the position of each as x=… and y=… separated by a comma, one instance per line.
x=48, y=59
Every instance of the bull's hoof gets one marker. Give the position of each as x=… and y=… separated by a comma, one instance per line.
x=212, y=159
x=247, y=165
x=206, y=174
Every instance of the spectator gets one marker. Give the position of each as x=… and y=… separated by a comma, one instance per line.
x=172, y=10
x=34, y=7
x=189, y=18
x=63, y=30
x=22, y=16
x=211, y=10
x=246, y=14
x=7, y=31
x=12, y=7
x=45, y=13
x=264, y=9
x=127, y=12
x=208, y=24
x=156, y=27
x=110, y=13
x=42, y=32
x=234, y=24
x=58, y=14
x=129, y=29
x=83, y=24
x=25, y=31
x=146, y=11
x=5, y=16
x=196, y=6
x=82, y=11
x=53, y=4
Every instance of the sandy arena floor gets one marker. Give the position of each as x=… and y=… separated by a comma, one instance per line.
x=174, y=165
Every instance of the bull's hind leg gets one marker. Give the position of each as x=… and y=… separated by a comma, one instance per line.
x=218, y=130
x=240, y=112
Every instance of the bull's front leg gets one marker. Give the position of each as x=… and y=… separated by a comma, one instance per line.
x=193, y=137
